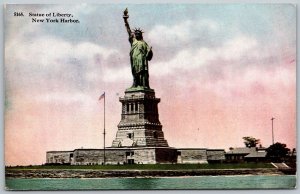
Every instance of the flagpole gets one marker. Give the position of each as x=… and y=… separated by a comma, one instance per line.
x=272, y=131
x=104, y=132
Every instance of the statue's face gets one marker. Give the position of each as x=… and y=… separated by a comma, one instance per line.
x=138, y=36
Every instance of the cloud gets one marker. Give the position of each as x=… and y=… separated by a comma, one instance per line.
x=117, y=74
x=50, y=51
x=64, y=98
x=55, y=59
x=202, y=57
x=238, y=47
x=182, y=33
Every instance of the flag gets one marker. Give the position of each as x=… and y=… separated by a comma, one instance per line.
x=102, y=96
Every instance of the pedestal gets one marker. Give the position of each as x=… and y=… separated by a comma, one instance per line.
x=139, y=125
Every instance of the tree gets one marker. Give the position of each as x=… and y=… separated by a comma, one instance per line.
x=251, y=141
x=277, y=151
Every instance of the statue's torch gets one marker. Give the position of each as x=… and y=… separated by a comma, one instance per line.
x=125, y=17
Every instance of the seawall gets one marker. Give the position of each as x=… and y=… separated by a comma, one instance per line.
x=59, y=173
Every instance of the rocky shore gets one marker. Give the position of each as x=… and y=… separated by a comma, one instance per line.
x=62, y=173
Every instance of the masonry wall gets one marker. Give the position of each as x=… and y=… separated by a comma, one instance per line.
x=95, y=156
x=115, y=156
x=144, y=156
x=191, y=156
x=215, y=155
x=135, y=155
x=166, y=155
x=59, y=157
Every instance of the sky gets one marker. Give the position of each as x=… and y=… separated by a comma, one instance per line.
x=222, y=72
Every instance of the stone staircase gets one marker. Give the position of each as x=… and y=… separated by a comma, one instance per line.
x=280, y=166
x=284, y=168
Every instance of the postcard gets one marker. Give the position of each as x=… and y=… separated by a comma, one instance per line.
x=150, y=96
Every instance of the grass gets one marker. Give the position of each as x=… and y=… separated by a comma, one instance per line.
x=148, y=166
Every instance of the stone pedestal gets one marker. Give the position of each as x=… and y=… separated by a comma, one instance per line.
x=139, y=125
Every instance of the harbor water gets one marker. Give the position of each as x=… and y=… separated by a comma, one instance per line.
x=198, y=182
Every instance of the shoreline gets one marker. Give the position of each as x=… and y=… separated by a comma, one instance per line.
x=80, y=173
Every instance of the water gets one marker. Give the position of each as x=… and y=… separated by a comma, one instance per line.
x=201, y=182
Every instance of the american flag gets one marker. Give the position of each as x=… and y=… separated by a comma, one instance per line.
x=102, y=96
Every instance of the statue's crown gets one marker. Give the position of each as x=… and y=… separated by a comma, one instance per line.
x=137, y=31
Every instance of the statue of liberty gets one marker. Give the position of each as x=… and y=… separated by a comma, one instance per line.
x=140, y=54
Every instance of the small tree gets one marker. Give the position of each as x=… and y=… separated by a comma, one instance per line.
x=250, y=141
x=277, y=151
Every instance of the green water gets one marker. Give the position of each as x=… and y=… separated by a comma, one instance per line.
x=201, y=182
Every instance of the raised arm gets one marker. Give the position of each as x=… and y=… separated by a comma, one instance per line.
x=125, y=17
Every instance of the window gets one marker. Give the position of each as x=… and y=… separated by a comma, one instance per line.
x=136, y=107
x=127, y=107
x=130, y=161
x=129, y=153
x=123, y=108
x=130, y=135
x=155, y=134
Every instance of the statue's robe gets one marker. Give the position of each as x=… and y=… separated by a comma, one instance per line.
x=138, y=56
